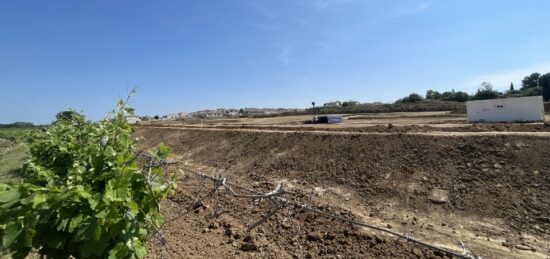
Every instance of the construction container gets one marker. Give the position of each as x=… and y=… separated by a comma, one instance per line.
x=329, y=119
x=517, y=109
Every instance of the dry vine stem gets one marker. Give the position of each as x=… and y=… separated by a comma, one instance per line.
x=158, y=234
x=279, y=202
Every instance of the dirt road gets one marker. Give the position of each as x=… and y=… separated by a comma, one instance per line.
x=359, y=133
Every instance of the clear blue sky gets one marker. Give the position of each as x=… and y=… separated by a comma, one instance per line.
x=190, y=55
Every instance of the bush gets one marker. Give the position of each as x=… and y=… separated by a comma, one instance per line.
x=485, y=92
x=412, y=98
x=84, y=193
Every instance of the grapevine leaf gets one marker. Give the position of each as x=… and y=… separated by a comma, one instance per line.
x=57, y=240
x=9, y=195
x=75, y=222
x=139, y=249
x=97, y=232
x=11, y=232
x=119, y=251
x=28, y=236
x=39, y=199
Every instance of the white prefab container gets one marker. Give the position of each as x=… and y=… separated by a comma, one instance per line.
x=522, y=109
x=132, y=119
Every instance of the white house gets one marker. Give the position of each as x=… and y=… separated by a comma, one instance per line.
x=270, y=111
x=333, y=104
x=209, y=114
x=231, y=112
x=171, y=116
x=183, y=115
x=530, y=108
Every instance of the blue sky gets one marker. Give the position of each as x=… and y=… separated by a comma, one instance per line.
x=191, y=55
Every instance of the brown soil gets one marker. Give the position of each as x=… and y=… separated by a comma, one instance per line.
x=389, y=128
x=497, y=187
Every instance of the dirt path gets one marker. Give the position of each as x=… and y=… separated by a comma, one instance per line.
x=327, y=132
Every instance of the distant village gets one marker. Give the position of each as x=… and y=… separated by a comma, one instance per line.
x=215, y=114
x=230, y=113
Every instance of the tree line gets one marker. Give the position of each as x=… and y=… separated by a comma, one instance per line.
x=531, y=85
x=20, y=124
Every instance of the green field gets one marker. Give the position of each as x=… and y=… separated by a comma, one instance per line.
x=13, y=153
x=16, y=134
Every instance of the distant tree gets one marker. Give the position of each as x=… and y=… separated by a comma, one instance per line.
x=156, y=117
x=513, y=92
x=429, y=94
x=130, y=110
x=18, y=124
x=313, y=104
x=531, y=91
x=485, y=92
x=460, y=97
x=447, y=95
x=454, y=96
x=433, y=95
x=544, y=83
x=414, y=97
x=348, y=104
x=531, y=81
x=69, y=115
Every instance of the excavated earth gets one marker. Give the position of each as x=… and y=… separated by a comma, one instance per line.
x=490, y=191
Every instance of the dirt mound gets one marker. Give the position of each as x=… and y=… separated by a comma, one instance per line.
x=304, y=235
x=493, y=187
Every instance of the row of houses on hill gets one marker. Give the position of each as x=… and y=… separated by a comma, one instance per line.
x=214, y=114
x=340, y=104
x=244, y=112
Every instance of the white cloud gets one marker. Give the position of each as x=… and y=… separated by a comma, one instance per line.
x=284, y=56
x=501, y=80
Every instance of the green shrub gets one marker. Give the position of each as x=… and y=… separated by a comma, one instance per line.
x=84, y=192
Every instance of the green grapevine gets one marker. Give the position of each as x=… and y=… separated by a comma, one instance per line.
x=86, y=192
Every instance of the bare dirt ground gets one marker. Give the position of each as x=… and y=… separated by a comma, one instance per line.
x=381, y=122
x=486, y=186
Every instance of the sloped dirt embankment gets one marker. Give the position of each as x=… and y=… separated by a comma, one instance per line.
x=497, y=177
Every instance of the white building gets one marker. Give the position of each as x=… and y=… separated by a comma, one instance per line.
x=333, y=104
x=209, y=114
x=270, y=111
x=182, y=115
x=231, y=112
x=132, y=119
x=171, y=116
x=520, y=109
